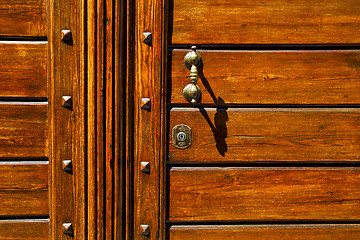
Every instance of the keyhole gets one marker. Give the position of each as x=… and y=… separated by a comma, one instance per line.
x=181, y=136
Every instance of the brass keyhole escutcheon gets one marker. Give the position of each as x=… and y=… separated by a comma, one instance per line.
x=181, y=136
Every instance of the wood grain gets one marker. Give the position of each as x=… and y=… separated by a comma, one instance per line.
x=262, y=232
x=271, y=77
x=23, y=18
x=264, y=22
x=97, y=211
x=68, y=134
x=149, y=126
x=268, y=134
x=24, y=188
x=27, y=229
x=23, y=129
x=23, y=69
x=215, y=194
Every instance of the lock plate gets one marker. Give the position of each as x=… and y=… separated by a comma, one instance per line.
x=181, y=136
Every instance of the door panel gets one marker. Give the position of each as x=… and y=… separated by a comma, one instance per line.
x=271, y=77
x=24, y=130
x=220, y=194
x=269, y=232
x=274, y=138
x=264, y=22
x=23, y=69
x=23, y=18
x=26, y=229
x=24, y=189
x=268, y=134
x=24, y=123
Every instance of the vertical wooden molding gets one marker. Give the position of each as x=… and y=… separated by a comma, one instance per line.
x=67, y=75
x=104, y=119
x=129, y=101
x=109, y=116
x=96, y=119
x=92, y=119
x=119, y=141
x=100, y=120
x=149, y=126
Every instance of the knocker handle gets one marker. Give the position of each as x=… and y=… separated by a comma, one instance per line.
x=192, y=61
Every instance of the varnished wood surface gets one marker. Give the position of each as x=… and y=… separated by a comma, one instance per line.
x=266, y=232
x=271, y=77
x=67, y=73
x=23, y=18
x=215, y=194
x=96, y=155
x=149, y=126
x=27, y=229
x=23, y=129
x=264, y=22
x=268, y=134
x=24, y=188
x=23, y=69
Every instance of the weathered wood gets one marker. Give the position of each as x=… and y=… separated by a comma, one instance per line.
x=215, y=194
x=149, y=127
x=24, y=188
x=96, y=170
x=23, y=69
x=23, y=129
x=23, y=18
x=275, y=77
x=264, y=22
x=257, y=232
x=93, y=156
x=119, y=69
x=27, y=229
x=67, y=74
x=129, y=91
x=110, y=131
x=268, y=134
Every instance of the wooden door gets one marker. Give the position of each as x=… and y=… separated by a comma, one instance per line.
x=275, y=138
x=24, y=164
x=41, y=154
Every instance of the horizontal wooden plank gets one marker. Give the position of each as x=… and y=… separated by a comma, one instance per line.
x=23, y=69
x=24, y=229
x=215, y=194
x=24, y=188
x=271, y=77
x=23, y=129
x=23, y=18
x=268, y=134
x=262, y=232
x=264, y=22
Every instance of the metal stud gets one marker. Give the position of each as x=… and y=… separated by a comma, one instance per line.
x=67, y=102
x=66, y=37
x=67, y=166
x=147, y=38
x=146, y=104
x=145, y=167
x=68, y=229
x=145, y=230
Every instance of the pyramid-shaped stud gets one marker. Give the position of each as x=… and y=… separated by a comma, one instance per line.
x=145, y=230
x=67, y=166
x=145, y=167
x=67, y=102
x=147, y=38
x=66, y=37
x=146, y=104
x=68, y=229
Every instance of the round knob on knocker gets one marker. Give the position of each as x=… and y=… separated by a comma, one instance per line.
x=192, y=61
